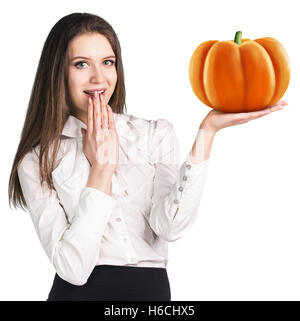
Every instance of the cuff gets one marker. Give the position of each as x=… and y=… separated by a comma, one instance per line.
x=93, y=212
x=193, y=168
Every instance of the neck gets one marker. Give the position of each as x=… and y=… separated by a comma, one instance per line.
x=81, y=115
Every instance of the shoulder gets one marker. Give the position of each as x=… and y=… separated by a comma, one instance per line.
x=30, y=161
x=152, y=125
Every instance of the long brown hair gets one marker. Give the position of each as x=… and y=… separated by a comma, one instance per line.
x=49, y=106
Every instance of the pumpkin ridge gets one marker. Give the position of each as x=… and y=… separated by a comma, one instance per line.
x=276, y=81
x=204, y=90
x=196, y=68
x=244, y=79
x=274, y=48
x=260, y=76
x=224, y=76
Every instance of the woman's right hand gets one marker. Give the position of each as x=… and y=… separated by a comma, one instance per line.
x=100, y=141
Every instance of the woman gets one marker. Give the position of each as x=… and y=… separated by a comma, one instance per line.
x=105, y=190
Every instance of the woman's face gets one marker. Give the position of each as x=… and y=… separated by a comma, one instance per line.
x=94, y=69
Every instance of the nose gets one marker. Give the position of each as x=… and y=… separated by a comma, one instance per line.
x=97, y=74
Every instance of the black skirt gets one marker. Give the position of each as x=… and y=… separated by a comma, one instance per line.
x=115, y=283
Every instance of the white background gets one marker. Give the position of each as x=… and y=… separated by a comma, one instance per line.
x=244, y=244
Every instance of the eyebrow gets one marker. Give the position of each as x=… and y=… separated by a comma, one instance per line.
x=81, y=57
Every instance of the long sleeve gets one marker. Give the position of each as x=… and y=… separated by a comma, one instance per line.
x=73, y=248
x=177, y=188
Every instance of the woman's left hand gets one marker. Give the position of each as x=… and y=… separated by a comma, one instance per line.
x=216, y=120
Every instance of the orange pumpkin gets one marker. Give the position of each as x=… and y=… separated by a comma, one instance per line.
x=240, y=75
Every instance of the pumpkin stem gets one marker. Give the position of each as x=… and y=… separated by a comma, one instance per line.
x=238, y=37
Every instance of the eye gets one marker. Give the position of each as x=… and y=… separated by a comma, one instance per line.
x=79, y=62
x=112, y=61
x=83, y=62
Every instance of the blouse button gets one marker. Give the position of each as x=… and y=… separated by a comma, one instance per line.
x=188, y=166
x=176, y=201
x=118, y=219
x=180, y=189
x=184, y=178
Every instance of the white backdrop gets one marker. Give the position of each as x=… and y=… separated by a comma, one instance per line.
x=244, y=244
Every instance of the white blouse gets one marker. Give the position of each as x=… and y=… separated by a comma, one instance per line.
x=155, y=200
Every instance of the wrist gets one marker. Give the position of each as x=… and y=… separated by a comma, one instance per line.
x=100, y=180
x=207, y=128
x=100, y=171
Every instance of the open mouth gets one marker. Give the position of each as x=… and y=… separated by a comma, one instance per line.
x=92, y=93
